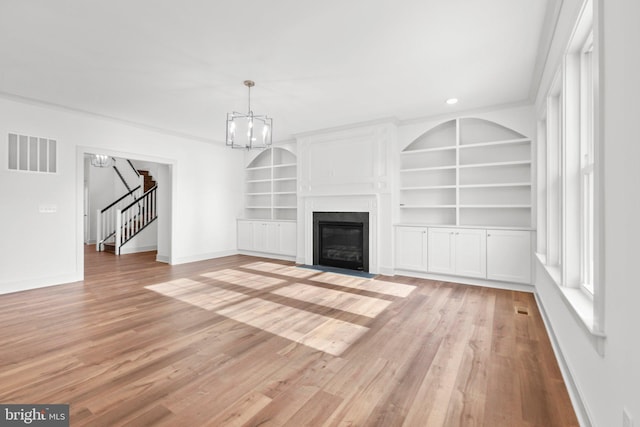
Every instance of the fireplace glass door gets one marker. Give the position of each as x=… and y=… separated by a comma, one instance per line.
x=341, y=244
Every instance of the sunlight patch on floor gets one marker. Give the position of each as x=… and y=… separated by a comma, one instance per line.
x=321, y=332
x=345, y=301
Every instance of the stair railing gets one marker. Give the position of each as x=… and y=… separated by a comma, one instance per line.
x=106, y=218
x=135, y=217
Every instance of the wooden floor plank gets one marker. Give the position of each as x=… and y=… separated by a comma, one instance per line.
x=248, y=341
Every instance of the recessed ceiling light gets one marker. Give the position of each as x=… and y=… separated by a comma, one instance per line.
x=452, y=101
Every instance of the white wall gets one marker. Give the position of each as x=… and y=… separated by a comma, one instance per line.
x=610, y=382
x=41, y=249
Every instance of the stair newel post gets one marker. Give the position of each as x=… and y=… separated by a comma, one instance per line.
x=118, y=230
x=98, y=229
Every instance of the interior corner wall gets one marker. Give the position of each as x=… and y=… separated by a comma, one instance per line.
x=607, y=384
x=41, y=249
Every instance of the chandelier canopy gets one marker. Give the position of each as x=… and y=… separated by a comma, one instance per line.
x=248, y=130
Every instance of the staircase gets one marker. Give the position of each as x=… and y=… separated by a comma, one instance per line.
x=123, y=219
x=149, y=183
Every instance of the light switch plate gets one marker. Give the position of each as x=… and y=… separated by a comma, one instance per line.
x=48, y=209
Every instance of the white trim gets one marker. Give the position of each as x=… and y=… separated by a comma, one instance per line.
x=579, y=305
x=37, y=283
x=267, y=255
x=581, y=411
x=202, y=257
x=466, y=280
x=125, y=251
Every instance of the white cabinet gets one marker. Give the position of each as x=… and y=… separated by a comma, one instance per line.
x=441, y=250
x=471, y=252
x=287, y=233
x=411, y=248
x=458, y=251
x=272, y=237
x=509, y=255
x=245, y=235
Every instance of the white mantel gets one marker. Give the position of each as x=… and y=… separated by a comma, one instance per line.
x=353, y=203
x=349, y=170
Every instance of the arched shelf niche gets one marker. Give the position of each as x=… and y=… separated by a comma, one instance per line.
x=467, y=172
x=271, y=185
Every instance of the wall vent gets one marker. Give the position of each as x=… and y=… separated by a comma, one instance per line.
x=32, y=154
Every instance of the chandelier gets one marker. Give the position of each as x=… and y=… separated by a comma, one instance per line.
x=248, y=130
x=101, y=160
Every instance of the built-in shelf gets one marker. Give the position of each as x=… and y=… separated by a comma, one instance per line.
x=493, y=143
x=434, y=168
x=427, y=150
x=467, y=172
x=428, y=206
x=496, y=206
x=427, y=187
x=509, y=184
x=495, y=164
x=271, y=186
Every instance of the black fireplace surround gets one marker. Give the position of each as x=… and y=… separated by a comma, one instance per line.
x=341, y=239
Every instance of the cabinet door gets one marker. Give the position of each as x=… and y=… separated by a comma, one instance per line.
x=260, y=236
x=471, y=252
x=273, y=237
x=441, y=250
x=287, y=236
x=245, y=235
x=509, y=255
x=411, y=248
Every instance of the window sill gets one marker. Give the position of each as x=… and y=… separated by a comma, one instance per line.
x=580, y=305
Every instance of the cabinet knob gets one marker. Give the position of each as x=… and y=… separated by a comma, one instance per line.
x=488, y=235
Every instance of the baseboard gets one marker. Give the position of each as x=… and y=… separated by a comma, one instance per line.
x=125, y=250
x=163, y=258
x=268, y=255
x=466, y=281
x=43, y=282
x=201, y=257
x=386, y=271
x=574, y=391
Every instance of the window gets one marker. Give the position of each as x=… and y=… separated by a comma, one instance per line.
x=587, y=158
x=567, y=176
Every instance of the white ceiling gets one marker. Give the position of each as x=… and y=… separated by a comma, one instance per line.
x=179, y=65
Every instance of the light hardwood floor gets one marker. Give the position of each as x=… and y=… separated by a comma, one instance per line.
x=243, y=341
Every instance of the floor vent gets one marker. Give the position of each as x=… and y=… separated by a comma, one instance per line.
x=522, y=310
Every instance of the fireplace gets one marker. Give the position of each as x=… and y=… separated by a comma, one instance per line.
x=341, y=239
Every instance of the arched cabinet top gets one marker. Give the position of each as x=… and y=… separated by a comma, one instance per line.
x=273, y=156
x=464, y=131
x=271, y=185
